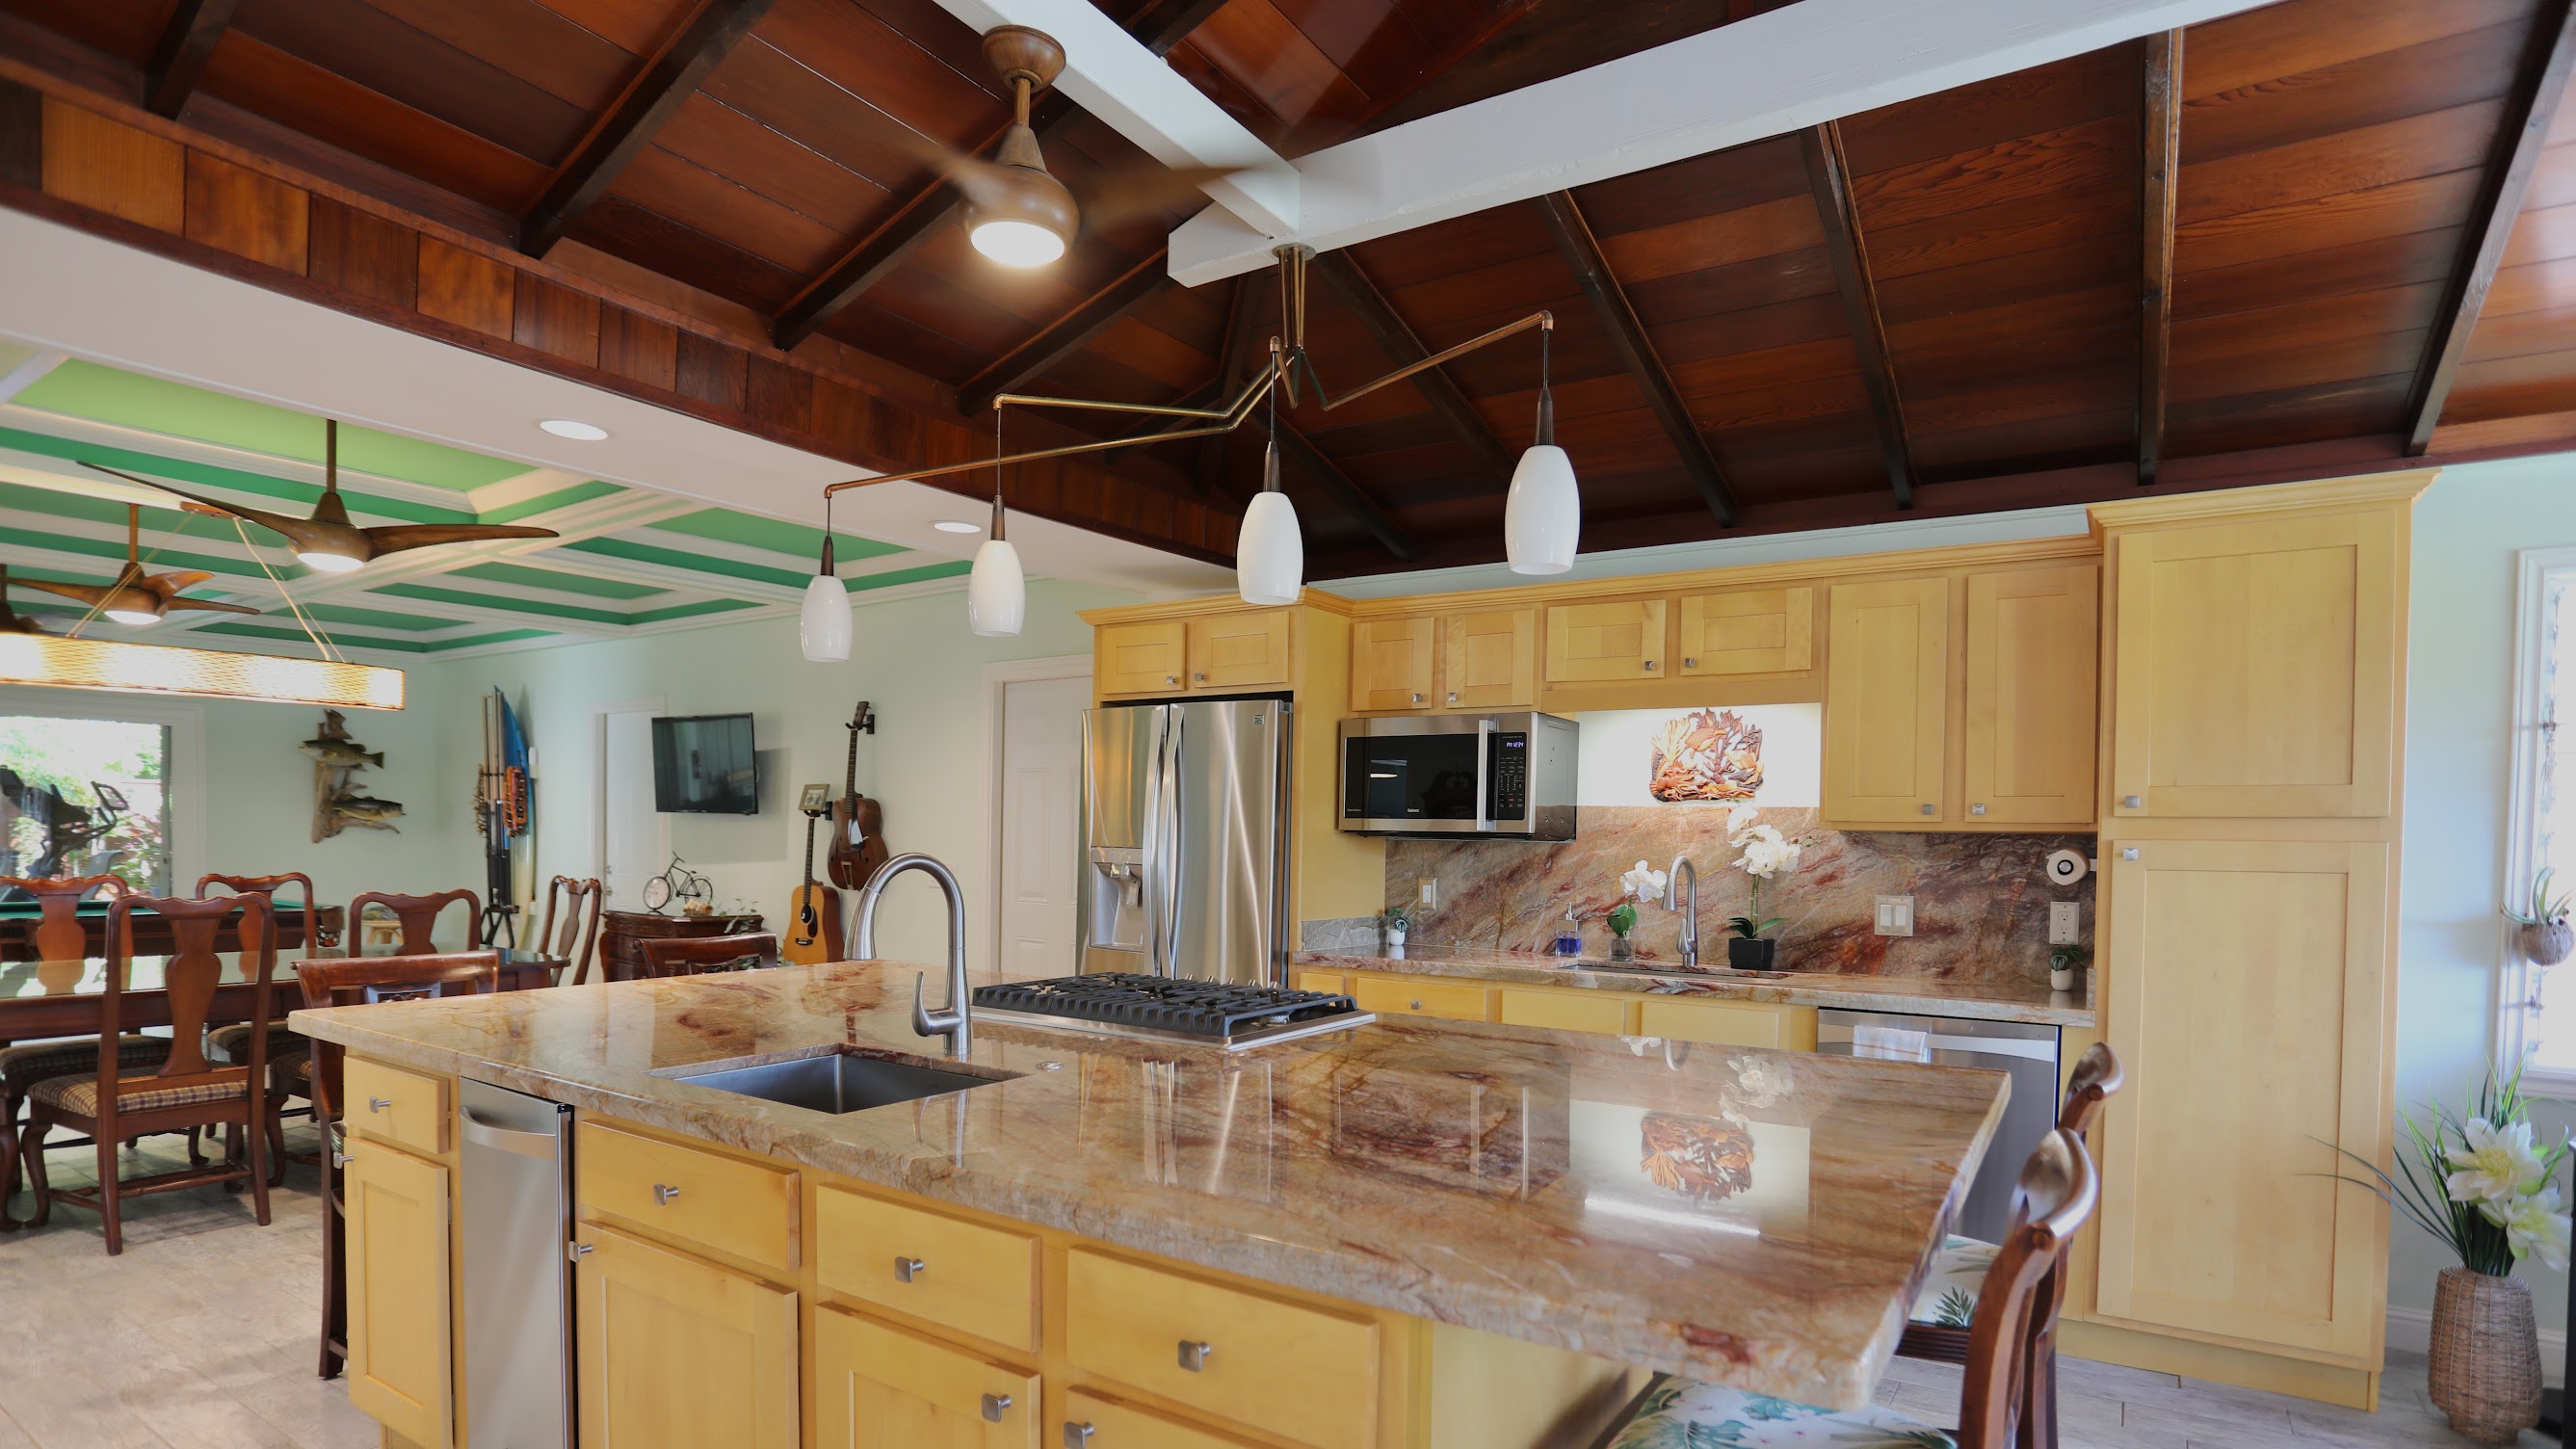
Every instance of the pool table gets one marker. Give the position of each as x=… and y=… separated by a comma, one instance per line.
x=151, y=935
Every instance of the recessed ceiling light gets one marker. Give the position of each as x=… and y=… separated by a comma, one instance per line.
x=957, y=525
x=579, y=432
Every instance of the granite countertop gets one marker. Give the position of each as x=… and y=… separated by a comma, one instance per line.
x=1924, y=995
x=1756, y=1218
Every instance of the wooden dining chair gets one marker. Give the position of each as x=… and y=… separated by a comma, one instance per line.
x=226, y=1042
x=418, y=917
x=59, y=936
x=185, y=1091
x=686, y=956
x=580, y=935
x=316, y=1076
x=2056, y=1195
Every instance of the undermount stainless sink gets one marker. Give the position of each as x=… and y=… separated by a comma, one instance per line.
x=1649, y=968
x=837, y=1082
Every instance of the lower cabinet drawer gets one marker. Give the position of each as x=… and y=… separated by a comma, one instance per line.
x=1400, y=997
x=1296, y=1371
x=966, y=1276
x=1729, y=1023
x=393, y=1105
x=1310, y=980
x=1093, y=1422
x=878, y=1387
x=1596, y=1011
x=688, y=1196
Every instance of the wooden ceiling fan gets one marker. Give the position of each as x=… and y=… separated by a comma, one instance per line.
x=133, y=596
x=11, y=621
x=328, y=541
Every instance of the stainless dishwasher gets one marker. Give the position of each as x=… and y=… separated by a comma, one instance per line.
x=517, y=1194
x=2025, y=1052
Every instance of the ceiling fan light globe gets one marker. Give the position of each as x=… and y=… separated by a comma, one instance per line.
x=133, y=618
x=997, y=593
x=1270, y=552
x=330, y=563
x=1016, y=243
x=1543, y=516
x=823, y=627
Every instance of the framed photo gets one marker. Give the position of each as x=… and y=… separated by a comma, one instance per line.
x=816, y=799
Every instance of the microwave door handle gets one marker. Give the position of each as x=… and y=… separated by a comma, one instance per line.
x=1486, y=732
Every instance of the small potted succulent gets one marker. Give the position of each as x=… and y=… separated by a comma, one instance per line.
x=1399, y=924
x=1644, y=883
x=2063, y=964
x=1766, y=853
x=2545, y=937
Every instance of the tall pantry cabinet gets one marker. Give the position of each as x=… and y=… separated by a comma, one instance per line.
x=2253, y=687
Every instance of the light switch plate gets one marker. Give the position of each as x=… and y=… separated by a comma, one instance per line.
x=1896, y=915
x=2065, y=923
x=1426, y=892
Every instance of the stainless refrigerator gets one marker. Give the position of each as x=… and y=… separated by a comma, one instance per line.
x=1185, y=840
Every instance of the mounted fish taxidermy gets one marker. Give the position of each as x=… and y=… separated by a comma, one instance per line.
x=337, y=803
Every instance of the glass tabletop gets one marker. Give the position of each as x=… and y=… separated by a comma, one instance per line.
x=30, y=980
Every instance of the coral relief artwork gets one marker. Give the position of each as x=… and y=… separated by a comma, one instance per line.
x=1705, y=1159
x=1705, y=755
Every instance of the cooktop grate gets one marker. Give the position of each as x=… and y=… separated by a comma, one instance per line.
x=1214, y=1012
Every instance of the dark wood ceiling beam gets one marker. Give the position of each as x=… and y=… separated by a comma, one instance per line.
x=1582, y=251
x=1395, y=337
x=1296, y=448
x=180, y=55
x=1162, y=26
x=650, y=102
x=2161, y=178
x=1066, y=335
x=1829, y=176
x=2517, y=157
x=1232, y=363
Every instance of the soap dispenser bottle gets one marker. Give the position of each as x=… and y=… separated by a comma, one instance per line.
x=1569, y=935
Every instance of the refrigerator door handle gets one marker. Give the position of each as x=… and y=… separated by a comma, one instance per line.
x=1487, y=729
x=1152, y=885
x=1167, y=956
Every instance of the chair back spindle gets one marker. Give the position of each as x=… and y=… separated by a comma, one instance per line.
x=687, y=956
x=269, y=885
x=360, y=980
x=59, y=933
x=418, y=917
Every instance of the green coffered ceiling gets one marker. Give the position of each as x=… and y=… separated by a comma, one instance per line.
x=630, y=561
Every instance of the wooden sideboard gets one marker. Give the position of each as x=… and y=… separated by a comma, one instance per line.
x=621, y=934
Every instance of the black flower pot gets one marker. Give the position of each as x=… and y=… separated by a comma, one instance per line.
x=1749, y=953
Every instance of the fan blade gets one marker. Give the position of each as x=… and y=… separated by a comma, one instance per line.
x=1132, y=193
x=84, y=593
x=170, y=586
x=397, y=537
x=298, y=531
x=209, y=606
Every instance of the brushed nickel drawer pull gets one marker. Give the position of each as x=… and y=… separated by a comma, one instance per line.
x=1077, y=1436
x=1194, y=1354
x=663, y=1193
x=1976, y=809
x=1931, y=809
x=994, y=1404
x=1417, y=696
x=2133, y=802
x=1453, y=696
x=1200, y=678
x=1689, y=663
x=1650, y=664
x=908, y=1269
x=1417, y=1006
x=2129, y=852
x=379, y=1104
x=1171, y=679
x=579, y=1251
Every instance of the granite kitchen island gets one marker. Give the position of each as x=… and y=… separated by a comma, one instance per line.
x=1407, y=1233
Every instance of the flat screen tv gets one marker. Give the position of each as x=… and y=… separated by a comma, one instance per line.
x=703, y=765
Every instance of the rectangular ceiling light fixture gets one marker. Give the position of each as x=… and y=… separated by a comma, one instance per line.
x=217, y=673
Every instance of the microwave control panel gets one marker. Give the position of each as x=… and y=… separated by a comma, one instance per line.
x=1510, y=777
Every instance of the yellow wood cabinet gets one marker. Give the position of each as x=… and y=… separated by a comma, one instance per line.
x=1887, y=666
x=1394, y=663
x=389, y=1104
x=683, y=1195
x=2258, y=666
x=1490, y=659
x=1092, y=1420
x=1310, y=979
x=1147, y=657
x=1748, y=631
x=1240, y=651
x=2248, y=997
x=1728, y=1023
x=1420, y=996
x=677, y=1353
x=1604, y=1012
x=962, y=1275
x=877, y=1387
x=1622, y=639
x=396, y=1232
x=2027, y=732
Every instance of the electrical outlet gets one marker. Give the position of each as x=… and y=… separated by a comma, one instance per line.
x=1896, y=915
x=1426, y=892
x=2065, y=923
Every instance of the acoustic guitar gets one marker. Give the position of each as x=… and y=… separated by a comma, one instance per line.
x=858, y=823
x=815, y=936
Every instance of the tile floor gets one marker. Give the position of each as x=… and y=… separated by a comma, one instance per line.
x=201, y=1337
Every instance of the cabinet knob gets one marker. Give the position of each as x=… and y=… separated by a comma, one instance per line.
x=1171, y=679
x=1931, y=809
x=1194, y=1354
x=908, y=1269
x=1198, y=679
x=1453, y=696
x=1689, y=663
x=579, y=1251
x=1650, y=664
x=1976, y=809
x=378, y=1104
x=1417, y=1006
x=2129, y=852
x=1417, y=697
x=994, y=1404
x=1077, y=1436
x=663, y=1193
x=2133, y=802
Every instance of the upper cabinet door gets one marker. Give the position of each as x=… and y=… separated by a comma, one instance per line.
x=2028, y=743
x=1144, y=658
x=1239, y=651
x=2257, y=668
x=1590, y=643
x=1492, y=660
x=1392, y=663
x=1887, y=706
x=1749, y=631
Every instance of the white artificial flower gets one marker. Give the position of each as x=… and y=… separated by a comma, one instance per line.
x=2533, y=1225
x=1643, y=883
x=1739, y=819
x=1767, y=852
x=2496, y=1166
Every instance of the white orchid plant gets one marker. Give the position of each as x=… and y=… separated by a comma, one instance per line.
x=1645, y=883
x=1763, y=853
x=2480, y=1184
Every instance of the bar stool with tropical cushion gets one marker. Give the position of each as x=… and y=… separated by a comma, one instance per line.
x=2056, y=1194
x=59, y=936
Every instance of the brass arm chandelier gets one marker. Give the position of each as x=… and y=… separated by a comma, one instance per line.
x=1542, y=517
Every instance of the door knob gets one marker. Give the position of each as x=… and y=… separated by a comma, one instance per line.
x=908, y=1269
x=1076, y=1436
x=994, y=1404
x=1194, y=1354
x=663, y=1193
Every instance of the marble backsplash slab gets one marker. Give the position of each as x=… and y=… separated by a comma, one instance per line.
x=1980, y=901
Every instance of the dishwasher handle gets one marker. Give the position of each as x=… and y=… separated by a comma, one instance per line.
x=542, y=1145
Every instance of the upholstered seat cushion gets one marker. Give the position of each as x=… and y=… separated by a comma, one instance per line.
x=78, y=1096
x=232, y=1043
x=292, y=1075
x=1681, y=1414
x=24, y=1066
x=1949, y=1296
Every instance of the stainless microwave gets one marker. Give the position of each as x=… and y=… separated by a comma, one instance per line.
x=1459, y=774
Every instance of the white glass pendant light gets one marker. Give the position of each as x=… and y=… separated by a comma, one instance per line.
x=1270, y=550
x=823, y=628
x=997, y=593
x=1543, y=518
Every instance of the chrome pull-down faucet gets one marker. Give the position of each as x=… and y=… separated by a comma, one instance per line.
x=1674, y=901
x=954, y=1021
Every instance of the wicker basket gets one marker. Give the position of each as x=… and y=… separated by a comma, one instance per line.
x=2485, y=1370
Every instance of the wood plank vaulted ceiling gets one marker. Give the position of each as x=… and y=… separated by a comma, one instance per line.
x=2322, y=236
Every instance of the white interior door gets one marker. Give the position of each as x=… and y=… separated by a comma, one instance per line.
x=631, y=848
x=1041, y=784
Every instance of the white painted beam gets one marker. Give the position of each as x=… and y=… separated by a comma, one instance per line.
x=1110, y=74
x=30, y=370
x=1804, y=64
